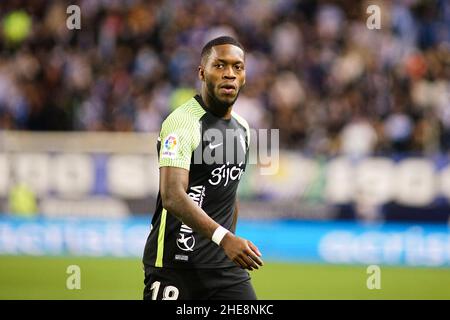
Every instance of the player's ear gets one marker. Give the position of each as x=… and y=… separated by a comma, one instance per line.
x=201, y=73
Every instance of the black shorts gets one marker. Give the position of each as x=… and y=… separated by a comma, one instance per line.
x=231, y=283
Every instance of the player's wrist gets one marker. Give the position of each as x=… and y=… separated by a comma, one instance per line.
x=219, y=234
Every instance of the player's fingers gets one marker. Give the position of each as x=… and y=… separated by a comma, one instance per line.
x=245, y=264
x=250, y=261
x=241, y=262
x=254, y=248
x=255, y=257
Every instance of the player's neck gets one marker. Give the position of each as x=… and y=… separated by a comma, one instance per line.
x=215, y=107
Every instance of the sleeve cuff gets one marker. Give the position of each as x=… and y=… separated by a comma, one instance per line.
x=174, y=163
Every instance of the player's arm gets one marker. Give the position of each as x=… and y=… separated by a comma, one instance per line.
x=235, y=215
x=173, y=185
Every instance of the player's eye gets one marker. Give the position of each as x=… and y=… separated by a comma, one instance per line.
x=239, y=67
x=219, y=65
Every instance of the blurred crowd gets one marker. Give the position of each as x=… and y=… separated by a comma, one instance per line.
x=314, y=68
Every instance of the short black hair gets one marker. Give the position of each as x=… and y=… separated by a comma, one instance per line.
x=217, y=42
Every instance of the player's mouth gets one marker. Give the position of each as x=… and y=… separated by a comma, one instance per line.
x=228, y=89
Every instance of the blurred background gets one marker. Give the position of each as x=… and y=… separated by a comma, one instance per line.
x=364, y=124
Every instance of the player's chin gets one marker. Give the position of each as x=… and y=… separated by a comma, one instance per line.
x=227, y=99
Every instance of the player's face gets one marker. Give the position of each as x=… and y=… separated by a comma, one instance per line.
x=224, y=73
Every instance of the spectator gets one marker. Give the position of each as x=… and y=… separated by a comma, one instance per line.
x=314, y=68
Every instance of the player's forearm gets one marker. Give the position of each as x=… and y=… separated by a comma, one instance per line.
x=182, y=206
x=235, y=216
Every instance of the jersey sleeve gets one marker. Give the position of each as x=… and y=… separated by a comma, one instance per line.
x=180, y=136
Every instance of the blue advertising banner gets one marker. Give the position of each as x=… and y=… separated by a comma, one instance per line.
x=296, y=241
x=351, y=243
x=73, y=236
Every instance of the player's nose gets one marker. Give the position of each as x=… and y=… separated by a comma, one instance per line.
x=228, y=73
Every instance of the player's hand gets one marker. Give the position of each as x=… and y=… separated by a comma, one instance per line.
x=244, y=253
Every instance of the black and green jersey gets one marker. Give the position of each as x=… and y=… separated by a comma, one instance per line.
x=215, y=151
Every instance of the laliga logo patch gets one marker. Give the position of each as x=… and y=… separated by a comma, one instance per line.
x=170, y=146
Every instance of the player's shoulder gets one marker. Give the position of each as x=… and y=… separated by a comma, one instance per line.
x=186, y=115
x=243, y=123
x=240, y=120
